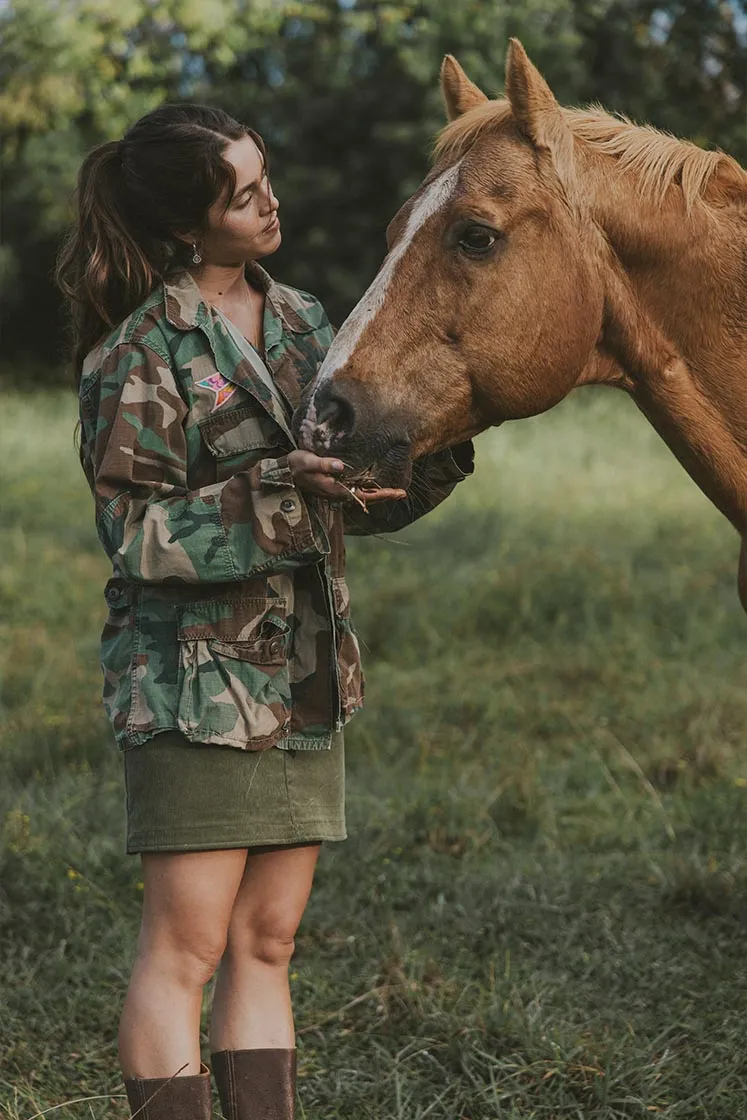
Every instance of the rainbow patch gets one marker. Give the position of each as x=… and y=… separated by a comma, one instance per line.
x=218, y=384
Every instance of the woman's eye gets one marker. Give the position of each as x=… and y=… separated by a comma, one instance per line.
x=477, y=241
x=244, y=202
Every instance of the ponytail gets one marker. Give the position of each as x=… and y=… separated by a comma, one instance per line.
x=102, y=268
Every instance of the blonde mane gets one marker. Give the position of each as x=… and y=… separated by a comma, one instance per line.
x=659, y=159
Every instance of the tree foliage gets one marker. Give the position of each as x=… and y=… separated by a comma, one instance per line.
x=346, y=94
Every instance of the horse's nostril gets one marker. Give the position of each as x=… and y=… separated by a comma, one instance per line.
x=334, y=410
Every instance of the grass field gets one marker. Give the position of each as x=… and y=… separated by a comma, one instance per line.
x=541, y=912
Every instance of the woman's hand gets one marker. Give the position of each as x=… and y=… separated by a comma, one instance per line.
x=316, y=475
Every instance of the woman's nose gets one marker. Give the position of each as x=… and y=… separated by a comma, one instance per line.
x=271, y=201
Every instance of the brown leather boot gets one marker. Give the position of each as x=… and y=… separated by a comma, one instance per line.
x=175, y=1098
x=256, y=1084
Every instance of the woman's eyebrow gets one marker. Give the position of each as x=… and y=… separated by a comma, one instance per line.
x=247, y=187
x=250, y=186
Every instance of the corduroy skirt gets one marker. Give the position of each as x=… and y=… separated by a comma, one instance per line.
x=182, y=796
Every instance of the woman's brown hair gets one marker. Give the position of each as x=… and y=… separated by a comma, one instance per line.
x=134, y=197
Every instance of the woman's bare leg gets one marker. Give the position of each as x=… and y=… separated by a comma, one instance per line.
x=251, y=1002
x=187, y=904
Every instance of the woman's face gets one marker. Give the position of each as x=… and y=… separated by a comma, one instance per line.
x=248, y=227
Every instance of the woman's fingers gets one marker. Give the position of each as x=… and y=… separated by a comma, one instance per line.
x=306, y=462
x=326, y=487
x=321, y=484
x=316, y=474
x=382, y=495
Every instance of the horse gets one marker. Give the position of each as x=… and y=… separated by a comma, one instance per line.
x=548, y=248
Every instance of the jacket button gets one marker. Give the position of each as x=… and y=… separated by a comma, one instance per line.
x=276, y=646
x=113, y=594
x=287, y=505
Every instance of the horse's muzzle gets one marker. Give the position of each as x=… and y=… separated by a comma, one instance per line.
x=341, y=418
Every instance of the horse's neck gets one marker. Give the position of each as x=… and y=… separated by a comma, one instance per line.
x=686, y=268
x=687, y=273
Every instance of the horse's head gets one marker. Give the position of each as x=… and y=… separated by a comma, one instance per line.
x=488, y=305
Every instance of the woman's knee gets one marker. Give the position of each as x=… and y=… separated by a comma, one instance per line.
x=269, y=906
x=188, y=959
x=267, y=938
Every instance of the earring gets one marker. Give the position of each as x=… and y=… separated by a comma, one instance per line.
x=196, y=258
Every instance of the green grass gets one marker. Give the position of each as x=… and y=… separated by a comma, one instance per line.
x=540, y=912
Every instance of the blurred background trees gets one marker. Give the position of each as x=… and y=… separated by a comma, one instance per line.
x=344, y=91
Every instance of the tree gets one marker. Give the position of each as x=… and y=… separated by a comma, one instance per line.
x=74, y=73
x=346, y=94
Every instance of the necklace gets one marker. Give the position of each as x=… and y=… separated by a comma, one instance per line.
x=252, y=334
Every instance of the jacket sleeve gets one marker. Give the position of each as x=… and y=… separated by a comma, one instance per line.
x=134, y=451
x=433, y=479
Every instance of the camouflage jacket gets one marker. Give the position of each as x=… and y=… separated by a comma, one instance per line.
x=229, y=615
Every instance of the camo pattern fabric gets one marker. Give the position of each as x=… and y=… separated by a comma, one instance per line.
x=228, y=610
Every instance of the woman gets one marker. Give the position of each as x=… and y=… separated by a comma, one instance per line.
x=230, y=664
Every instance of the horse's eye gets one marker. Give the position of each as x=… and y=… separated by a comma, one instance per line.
x=477, y=241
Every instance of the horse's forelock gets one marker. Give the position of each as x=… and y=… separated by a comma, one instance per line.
x=455, y=140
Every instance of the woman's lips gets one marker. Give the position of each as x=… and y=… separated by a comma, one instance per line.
x=273, y=225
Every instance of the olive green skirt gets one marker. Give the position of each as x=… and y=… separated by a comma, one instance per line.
x=183, y=796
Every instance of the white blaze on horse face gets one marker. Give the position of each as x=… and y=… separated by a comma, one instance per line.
x=433, y=199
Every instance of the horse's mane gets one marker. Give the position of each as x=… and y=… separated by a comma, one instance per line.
x=658, y=158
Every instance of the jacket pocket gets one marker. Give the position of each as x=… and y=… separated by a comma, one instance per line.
x=233, y=656
x=244, y=435
x=348, y=651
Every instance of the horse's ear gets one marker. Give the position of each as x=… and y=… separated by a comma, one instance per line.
x=535, y=109
x=532, y=101
x=459, y=93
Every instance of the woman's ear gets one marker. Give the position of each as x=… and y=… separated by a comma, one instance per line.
x=188, y=238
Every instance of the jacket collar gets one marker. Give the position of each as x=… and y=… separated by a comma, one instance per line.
x=186, y=308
